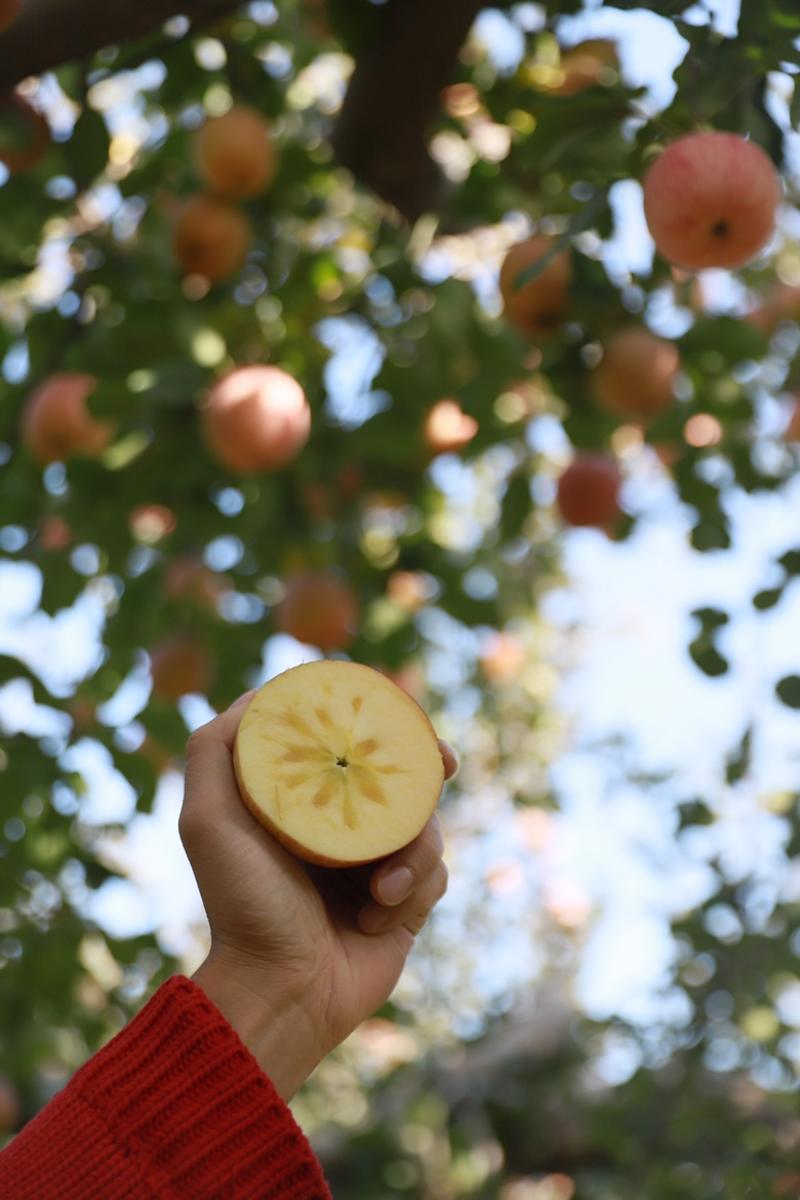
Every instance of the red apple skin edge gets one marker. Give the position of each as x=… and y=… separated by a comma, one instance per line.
x=294, y=847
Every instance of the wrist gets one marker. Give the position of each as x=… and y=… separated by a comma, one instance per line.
x=268, y=1017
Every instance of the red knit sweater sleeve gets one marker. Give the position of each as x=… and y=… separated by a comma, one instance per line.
x=173, y=1108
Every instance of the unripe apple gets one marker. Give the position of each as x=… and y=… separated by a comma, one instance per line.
x=235, y=153
x=179, y=666
x=588, y=491
x=710, y=200
x=56, y=424
x=319, y=608
x=538, y=307
x=24, y=134
x=211, y=239
x=256, y=419
x=447, y=427
x=636, y=376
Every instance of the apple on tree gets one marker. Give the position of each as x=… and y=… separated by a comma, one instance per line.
x=56, y=424
x=538, y=307
x=319, y=608
x=179, y=666
x=710, y=200
x=636, y=376
x=338, y=763
x=588, y=491
x=211, y=239
x=235, y=153
x=256, y=419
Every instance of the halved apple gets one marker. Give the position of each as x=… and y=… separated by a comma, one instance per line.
x=338, y=763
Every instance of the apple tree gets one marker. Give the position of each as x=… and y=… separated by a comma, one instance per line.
x=322, y=329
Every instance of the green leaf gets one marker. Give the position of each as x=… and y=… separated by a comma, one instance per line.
x=788, y=691
x=86, y=152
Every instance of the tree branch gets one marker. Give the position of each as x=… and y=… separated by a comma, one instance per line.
x=47, y=33
x=394, y=96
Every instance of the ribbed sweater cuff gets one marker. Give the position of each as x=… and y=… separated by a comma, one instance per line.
x=179, y=1098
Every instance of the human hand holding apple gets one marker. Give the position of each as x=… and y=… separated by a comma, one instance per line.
x=300, y=954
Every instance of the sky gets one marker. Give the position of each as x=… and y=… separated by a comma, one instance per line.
x=622, y=613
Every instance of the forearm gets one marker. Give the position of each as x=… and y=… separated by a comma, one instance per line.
x=273, y=1024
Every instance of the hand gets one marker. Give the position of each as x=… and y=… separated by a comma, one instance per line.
x=300, y=955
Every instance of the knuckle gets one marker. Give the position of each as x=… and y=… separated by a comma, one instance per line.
x=189, y=827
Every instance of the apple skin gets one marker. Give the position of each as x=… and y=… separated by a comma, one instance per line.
x=294, y=847
x=710, y=200
x=539, y=306
x=211, y=239
x=235, y=153
x=179, y=666
x=256, y=419
x=56, y=423
x=636, y=376
x=319, y=608
x=588, y=492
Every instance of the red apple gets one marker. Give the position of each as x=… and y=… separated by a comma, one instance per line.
x=236, y=155
x=636, y=377
x=56, y=423
x=588, y=491
x=319, y=608
x=710, y=200
x=179, y=666
x=188, y=580
x=537, y=307
x=211, y=239
x=256, y=419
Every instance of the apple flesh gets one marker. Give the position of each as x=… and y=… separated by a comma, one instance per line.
x=710, y=200
x=338, y=763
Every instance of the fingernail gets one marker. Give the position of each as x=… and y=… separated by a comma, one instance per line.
x=394, y=887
